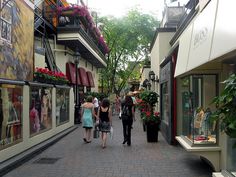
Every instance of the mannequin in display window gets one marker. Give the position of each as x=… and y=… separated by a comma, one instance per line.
x=202, y=127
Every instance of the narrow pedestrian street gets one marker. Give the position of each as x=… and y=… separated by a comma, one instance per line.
x=71, y=157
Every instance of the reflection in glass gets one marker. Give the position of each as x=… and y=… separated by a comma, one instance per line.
x=165, y=102
x=10, y=114
x=40, y=109
x=62, y=106
x=231, y=154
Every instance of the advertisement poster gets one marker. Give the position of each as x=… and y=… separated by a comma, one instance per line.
x=62, y=106
x=10, y=114
x=40, y=109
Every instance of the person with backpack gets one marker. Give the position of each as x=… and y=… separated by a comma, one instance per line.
x=127, y=116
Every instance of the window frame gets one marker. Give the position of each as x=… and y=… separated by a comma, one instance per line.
x=8, y=27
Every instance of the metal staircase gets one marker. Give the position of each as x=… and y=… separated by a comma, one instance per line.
x=50, y=59
x=40, y=28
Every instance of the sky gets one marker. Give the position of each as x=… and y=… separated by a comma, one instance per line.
x=119, y=8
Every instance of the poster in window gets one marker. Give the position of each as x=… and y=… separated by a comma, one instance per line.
x=10, y=115
x=40, y=109
x=62, y=106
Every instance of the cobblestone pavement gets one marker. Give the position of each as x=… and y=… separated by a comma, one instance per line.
x=141, y=159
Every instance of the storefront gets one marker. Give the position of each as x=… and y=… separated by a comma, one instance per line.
x=203, y=63
x=166, y=100
x=31, y=113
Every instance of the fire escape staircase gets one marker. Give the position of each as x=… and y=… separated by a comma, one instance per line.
x=40, y=27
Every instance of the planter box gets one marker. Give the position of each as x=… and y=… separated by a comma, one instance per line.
x=152, y=132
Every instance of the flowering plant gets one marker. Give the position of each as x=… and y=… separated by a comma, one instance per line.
x=140, y=104
x=82, y=11
x=52, y=77
x=148, y=116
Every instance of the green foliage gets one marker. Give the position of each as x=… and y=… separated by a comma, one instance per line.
x=129, y=39
x=226, y=107
x=99, y=96
x=149, y=97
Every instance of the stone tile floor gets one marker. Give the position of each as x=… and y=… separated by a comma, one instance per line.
x=141, y=159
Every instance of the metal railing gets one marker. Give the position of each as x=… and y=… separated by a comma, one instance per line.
x=190, y=12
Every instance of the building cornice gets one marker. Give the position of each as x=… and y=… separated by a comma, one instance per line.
x=161, y=30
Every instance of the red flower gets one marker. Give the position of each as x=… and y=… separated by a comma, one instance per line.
x=156, y=114
x=148, y=113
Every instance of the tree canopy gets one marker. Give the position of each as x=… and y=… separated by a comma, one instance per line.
x=129, y=41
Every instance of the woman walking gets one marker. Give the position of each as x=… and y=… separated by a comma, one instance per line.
x=87, y=118
x=127, y=117
x=105, y=120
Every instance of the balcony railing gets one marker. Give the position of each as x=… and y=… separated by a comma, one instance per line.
x=190, y=12
x=62, y=14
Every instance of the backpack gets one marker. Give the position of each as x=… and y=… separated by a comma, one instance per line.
x=126, y=114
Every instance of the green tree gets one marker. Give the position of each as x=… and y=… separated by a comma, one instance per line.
x=129, y=40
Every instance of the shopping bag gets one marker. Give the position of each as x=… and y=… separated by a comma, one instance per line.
x=111, y=132
x=96, y=132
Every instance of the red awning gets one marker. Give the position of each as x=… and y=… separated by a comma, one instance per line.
x=90, y=79
x=70, y=73
x=83, y=77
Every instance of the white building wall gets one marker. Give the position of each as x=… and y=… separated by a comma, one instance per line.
x=159, y=51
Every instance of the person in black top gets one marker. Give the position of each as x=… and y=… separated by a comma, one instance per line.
x=105, y=120
x=127, y=117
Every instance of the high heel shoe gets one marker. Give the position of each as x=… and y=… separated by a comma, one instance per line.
x=124, y=141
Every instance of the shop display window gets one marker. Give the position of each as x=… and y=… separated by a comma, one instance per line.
x=198, y=92
x=62, y=106
x=231, y=154
x=11, y=97
x=40, y=109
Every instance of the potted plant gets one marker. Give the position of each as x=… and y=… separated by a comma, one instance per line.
x=51, y=77
x=152, y=123
x=151, y=119
x=226, y=107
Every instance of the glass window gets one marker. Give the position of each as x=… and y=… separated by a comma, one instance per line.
x=6, y=20
x=165, y=103
x=62, y=106
x=198, y=92
x=231, y=154
x=40, y=109
x=10, y=115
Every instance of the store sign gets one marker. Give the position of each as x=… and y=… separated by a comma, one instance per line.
x=200, y=36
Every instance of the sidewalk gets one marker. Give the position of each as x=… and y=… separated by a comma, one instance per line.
x=71, y=157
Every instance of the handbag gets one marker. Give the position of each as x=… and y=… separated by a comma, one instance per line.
x=111, y=132
x=96, y=132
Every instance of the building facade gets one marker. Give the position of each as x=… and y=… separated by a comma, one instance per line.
x=201, y=56
x=35, y=36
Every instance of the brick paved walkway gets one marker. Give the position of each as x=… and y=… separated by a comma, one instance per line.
x=142, y=159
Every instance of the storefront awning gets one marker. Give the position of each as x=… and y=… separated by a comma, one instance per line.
x=70, y=73
x=83, y=77
x=90, y=79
